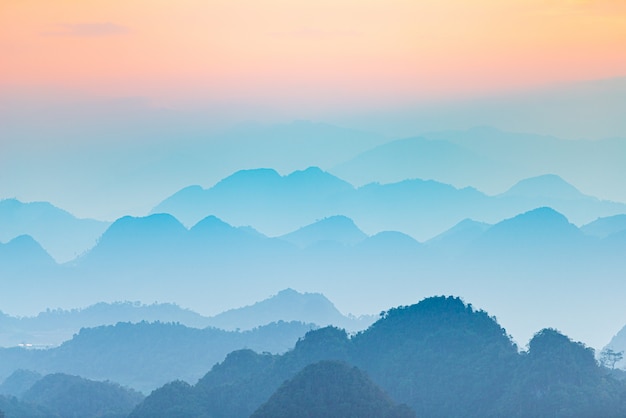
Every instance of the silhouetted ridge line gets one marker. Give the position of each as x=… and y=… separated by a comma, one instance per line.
x=440, y=357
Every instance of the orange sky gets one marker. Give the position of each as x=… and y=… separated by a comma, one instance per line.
x=330, y=52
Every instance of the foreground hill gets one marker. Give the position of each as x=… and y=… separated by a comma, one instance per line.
x=618, y=345
x=64, y=396
x=72, y=396
x=330, y=389
x=440, y=357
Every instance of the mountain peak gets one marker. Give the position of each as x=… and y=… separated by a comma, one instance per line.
x=26, y=249
x=390, y=242
x=130, y=232
x=336, y=228
x=250, y=178
x=287, y=305
x=212, y=223
x=464, y=226
x=534, y=229
x=543, y=214
x=547, y=185
x=345, y=391
x=315, y=176
x=158, y=221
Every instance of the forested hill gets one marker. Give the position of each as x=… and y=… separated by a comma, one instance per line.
x=331, y=389
x=146, y=355
x=440, y=357
x=64, y=396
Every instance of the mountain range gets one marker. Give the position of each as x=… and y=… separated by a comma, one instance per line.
x=277, y=205
x=214, y=266
x=60, y=233
x=289, y=305
x=53, y=327
x=146, y=355
x=440, y=357
x=59, y=395
x=492, y=160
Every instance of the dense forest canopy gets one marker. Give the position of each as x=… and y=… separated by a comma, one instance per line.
x=440, y=357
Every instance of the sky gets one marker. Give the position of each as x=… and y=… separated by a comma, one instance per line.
x=315, y=57
x=91, y=78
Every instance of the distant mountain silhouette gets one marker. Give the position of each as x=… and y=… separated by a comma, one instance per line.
x=330, y=389
x=389, y=243
x=24, y=251
x=491, y=160
x=19, y=382
x=603, y=227
x=261, y=198
x=460, y=236
x=538, y=242
x=537, y=232
x=52, y=327
x=305, y=142
x=288, y=305
x=215, y=266
x=133, y=236
x=146, y=355
x=277, y=205
x=417, y=157
x=61, y=234
x=551, y=190
x=213, y=229
x=339, y=229
x=548, y=186
x=24, y=264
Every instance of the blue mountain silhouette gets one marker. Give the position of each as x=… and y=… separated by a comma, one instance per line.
x=24, y=252
x=277, y=205
x=289, y=305
x=546, y=186
x=603, y=227
x=338, y=229
x=61, y=234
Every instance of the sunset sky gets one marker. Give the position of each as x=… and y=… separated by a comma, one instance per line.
x=79, y=77
x=311, y=54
